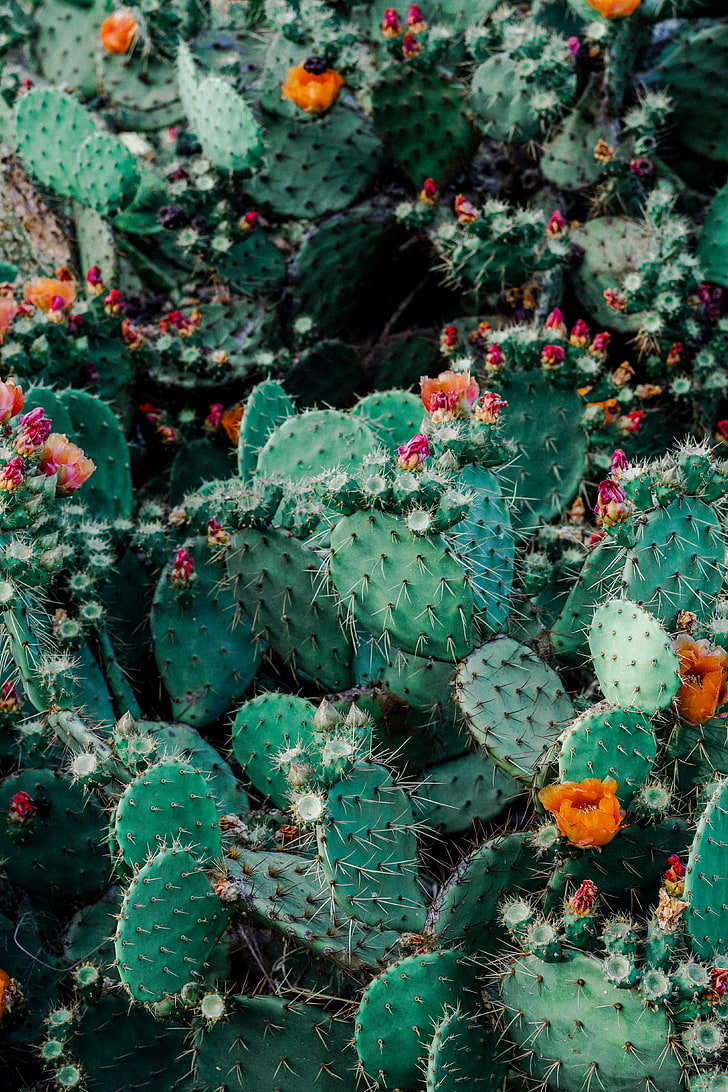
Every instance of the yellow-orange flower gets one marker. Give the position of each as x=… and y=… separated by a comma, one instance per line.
x=614, y=9
x=5, y=981
x=49, y=293
x=312, y=86
x=704, y=674
x=450, y=394
x=59, y=456
x=587, y=812
x=119, y=32
x=230, y=421
x=8, y=311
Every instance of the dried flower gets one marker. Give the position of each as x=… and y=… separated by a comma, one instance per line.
x=488, y=409
x=414, y=452
x=582, y=901
x=465, y=212
x=612, y=506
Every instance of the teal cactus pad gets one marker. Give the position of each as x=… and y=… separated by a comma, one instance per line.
x=264, y=727
x=65, y=45
x=484, y=542
x=305, y=445
x=713, y=240
x=597, y=581
x=514, y=704
x=62, y=854
x=677, y=562
x=465, y=909
x=253, y=264
x=613, y=247
x=553, y=447
x=168, y=802
x=291, y=605
x=184, y=741
x=464, y=791
x=423, y=117
x=394, y=1021
x=395, y=416
x=98, y=432
x=142, y=90
x=184, y=631
x=312, y=168
x=368, y=849
x=608, y=741
x=267, y=406
x=170, y=921
x=423, y=682
x=268, y=1043
x=464, y=1052
x=409, y=590
x=706, y=878
x=625, y=1044
x=50, y=127
x=90, y=932
x=106, y=172
x=633, y=658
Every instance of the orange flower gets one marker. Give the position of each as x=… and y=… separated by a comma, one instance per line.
x=312, y=85
x=119, y=32
x=8, y=311
x=230, y=421
x=587, y=812
x=5, y=991
x=614, y=9
x=49, y=293
x=448, y=395
x=59, y=456
x=703, y=670
x=610, y=409
x=11, y=400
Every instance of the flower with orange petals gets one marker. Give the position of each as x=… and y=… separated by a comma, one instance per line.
x=451, y=394
x=586, y=812
x=59, y=456
x=230, y=421
x=614, y=9
x=8, y=311
x=11, y=400
x=119, y=32
x=49, y=293
x=312, y=86
x=5, y=991
x=704, y=671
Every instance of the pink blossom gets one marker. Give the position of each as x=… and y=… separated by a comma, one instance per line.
x=414, y=452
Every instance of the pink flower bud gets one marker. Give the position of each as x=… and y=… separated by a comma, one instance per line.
x=642, y=168
x=449, y=339
x=620, y=462
x=22, y=808
x=415, y=19
x=552, y=356
x=633, y=421
x=580, y=335
x=611, y=506
x=429, y=192
x=614, y=299
x=214, y=416
x=113, y=303
x=574, y=46
x=12, y=474
x=600, y=344
x=94, y=279
x=414, y=452
x=183, y=570
x=556, y=224
x=495, y=361
x=33, y=429
x=411, y=45
x=391, y=26
x=9, y=697
x=555, y=323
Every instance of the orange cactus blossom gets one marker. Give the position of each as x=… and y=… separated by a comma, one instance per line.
x=6, y=984
x=59, y=456
x=448, y=396
x=50, y=293
x=586, y=812
x=230, y=421
x=614, y=9
x=704, y=671
x=312, y=86
x=119, y=32
x=11, y=400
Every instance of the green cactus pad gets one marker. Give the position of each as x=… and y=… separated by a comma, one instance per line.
x=464, y=911
x=395, y=416
x=471, y=789
x=186, y=627
x=713, y=241
x=513, y=703
x=485, y=544
x=312, y=168
x=613, y=247
x=66, y=45
x=608, y=741
x=107, y=175
x=677, y=562
x=464, y=1051
x=309, y=443
x=60, y=854
x=543, y=419
x=264, y=727
x=170, y=921
x=142, y=90
x=706, y=878
x=290, y=604
x=633, y=658
x=268, y=1043
x=96, y=429
x=624, y=1043
x=422, y=116
x=368, y=849
x=183, y=741
x=394, y=1021
x=597, y=581
x=409, y=590
x=169, y=801
x=51, y=126
x=267, y=407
